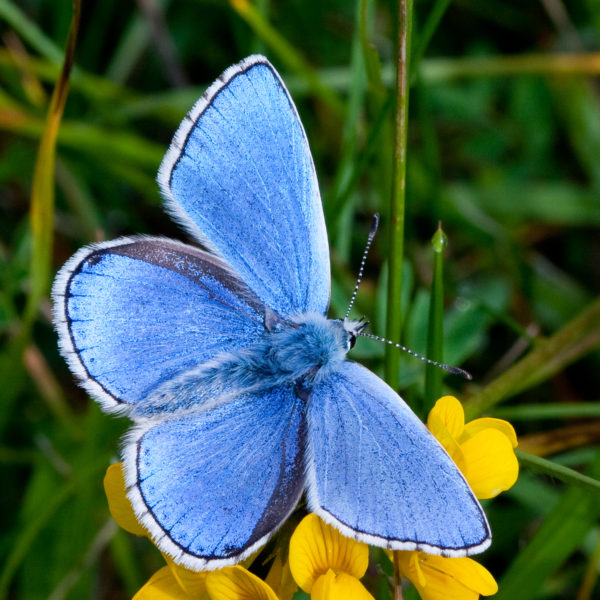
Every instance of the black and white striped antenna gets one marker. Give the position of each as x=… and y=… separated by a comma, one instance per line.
x=448, y=368
x=374, y=226
x=453, y=370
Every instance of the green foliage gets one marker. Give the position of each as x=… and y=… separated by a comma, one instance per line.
x=503, y=147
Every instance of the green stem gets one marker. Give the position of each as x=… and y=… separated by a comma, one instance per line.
x=397, y=577
x=396, y=216
x=435, y=327
x=549, y=357
x=564, y=474
x=396, y=213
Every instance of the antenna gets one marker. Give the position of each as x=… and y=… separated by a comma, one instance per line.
x=372, y=232
x=358, y=331
x=453, y=370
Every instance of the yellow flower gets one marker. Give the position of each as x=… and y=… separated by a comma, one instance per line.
x=118, y=504
x=280, y=578
x=173, y=582
x=441, y=578
x=482, y=449
x=237, y=583
x=169, y=583
x=326, y=564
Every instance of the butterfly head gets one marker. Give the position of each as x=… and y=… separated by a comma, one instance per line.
x=353, y=329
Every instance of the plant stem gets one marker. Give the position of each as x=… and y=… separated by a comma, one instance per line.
x=396, y=213
x=564, y=474
x=396, y=217
x=397, y=577
x=435, y=327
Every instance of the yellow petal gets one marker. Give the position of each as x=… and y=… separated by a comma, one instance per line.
x=162, y=586
x=455, y=573
x=501, y=425
x=237, y=583
x=193, y=583
x=441, y=587
x=281, y=580
x=118, y=504
x=492, y=466
x=443, y=436
x=450, y=411
x=316, y=547
x=408, y=562
x=339, y=587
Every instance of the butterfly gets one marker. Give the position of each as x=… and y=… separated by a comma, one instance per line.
x=238, y=385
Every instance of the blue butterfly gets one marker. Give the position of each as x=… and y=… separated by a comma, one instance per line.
x=237, y=383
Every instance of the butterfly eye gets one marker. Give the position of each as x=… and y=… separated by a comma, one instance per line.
x=351, y=340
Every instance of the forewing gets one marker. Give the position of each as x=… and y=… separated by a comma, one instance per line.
x=240, y=177
x=376, y=472
x=212, y=487
x=135, y=312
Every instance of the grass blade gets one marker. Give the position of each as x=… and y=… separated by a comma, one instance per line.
x=42, y=193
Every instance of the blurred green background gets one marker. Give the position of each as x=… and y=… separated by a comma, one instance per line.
x=503, y=149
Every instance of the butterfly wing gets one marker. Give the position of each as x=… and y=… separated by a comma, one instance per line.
x=213, y=486
x=135, y=312
x=240, y=177
x=375, y=472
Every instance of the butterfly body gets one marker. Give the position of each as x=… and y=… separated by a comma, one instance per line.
x=298, y=352
x=237, y=384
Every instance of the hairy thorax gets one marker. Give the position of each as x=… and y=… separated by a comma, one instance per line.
x=306, y=349
x=297, y=352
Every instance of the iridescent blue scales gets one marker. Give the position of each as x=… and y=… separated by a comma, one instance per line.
x=238, y=385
